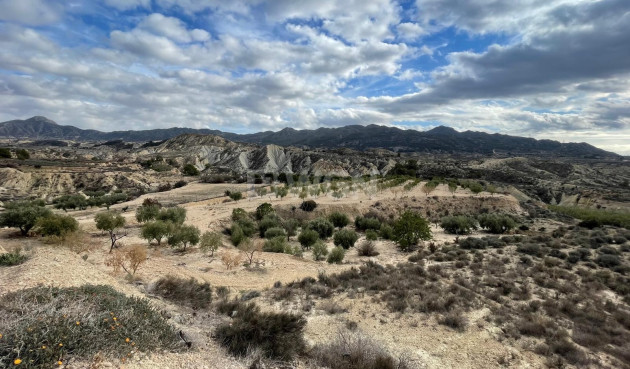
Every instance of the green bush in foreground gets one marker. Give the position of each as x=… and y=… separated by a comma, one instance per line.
x=345, y=238
x=276, y=335
x=336, y=255
x=12, y=258
x=44, y=325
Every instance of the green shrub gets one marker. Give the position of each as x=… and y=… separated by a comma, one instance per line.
x=322, y=226
x=336, y=255
x=608, y=260
x=76, y=323
x=319, y=250
x=147, y=213
x=269, y=221
x=22, y=154
x=57, y=225
x=263, y=210
x=339, y=220
x=363, y=224
x=308, y=205
x=409, y=229
x=239, y=214
x=345, y=238
x=275, y=232
x=593, y=218
x=371, y=235
x=248, y=226
x=12, y=258
x=5, y=153
x=497, y=223
x=184, y=291
x=175, y=215
x=459, y=224
x=236, y=196
x=276, y=335
x=190, y=170
x=66, y=202
x=278, y=245
x=308, y=237
x=236, y=234
x=386, y=232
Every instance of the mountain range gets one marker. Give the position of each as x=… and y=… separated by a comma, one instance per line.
x=437, y=140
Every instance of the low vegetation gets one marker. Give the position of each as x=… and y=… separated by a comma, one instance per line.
x=182, y=291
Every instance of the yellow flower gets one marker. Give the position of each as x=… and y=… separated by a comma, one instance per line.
x=78, y=322
x=127, y=339
x=61, y=344
x=17, y=361
x=115, y=318
x=0, y=335
x=44, y=347
x=59, y=362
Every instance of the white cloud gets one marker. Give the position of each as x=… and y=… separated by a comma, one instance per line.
x=30, y=12
x=172, y=28
x=128, y=4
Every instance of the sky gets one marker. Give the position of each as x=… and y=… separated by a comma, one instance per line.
x=557, y=69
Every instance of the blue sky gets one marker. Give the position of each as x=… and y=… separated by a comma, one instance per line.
x=547, y=69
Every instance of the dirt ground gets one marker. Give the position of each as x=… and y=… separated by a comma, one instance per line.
x=428, y=344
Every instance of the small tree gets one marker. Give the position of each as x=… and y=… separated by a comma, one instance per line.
x=250, y=248
x=156, y=231
x=281, y=192
x=459, y=224
x=409, y=229
x=110, y=222
x=236, y=234
x=491, y=188
x=22, y=154
x=475, y=187
x=308, y=238
x=5, y=153
x=183, y=236
x=290, y=226
x=345, y=238
x=429, y=187
x=261, y=191
x=57, y=225
x=23, y=215
x=319, y=250
x=452, y=187
x=146, y=213
x=210, y=242
x=497, y=223
x=308, y=205
x=129, y=259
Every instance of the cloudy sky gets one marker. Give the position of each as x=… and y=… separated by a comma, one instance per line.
x=555, y=69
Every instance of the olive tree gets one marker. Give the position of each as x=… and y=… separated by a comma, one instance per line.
x=409, y=229
x=110, y=221
x=23, y=215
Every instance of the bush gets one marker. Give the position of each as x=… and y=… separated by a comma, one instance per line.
x=356, y=351
x=386, y=232
x=308, y=205
x=339, y=220
x=595, y=217
x=367, y=248
x=336, y=255
x=190, y=170
x=323, y=227
x=5, y=153
x=472, y=243
x=497, y=223
x=269, y=221
x=371, y=235
x=531, y=249
x=239, y=214
x=308, y=237
x=263, y=210
x=236, y=234
x=454, y=320
x=22, y=154
x=175, y=215
x=345, y=238
x=236, y=196
x=608, y=260
x=319, y=250
x=77, y=201
x=409, y=229
x=276, y=335
x=12, y=258
x=184, y=291
x=278, y=245
x=275, y=232
x=76, y=323
x=57, y=225
x=364, y=224
x=459, y=224
x=23, y=215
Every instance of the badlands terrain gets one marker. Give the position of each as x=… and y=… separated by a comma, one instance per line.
x=524, y=262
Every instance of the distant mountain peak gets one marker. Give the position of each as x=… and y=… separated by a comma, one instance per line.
x=442, y=130
x=41, y=119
